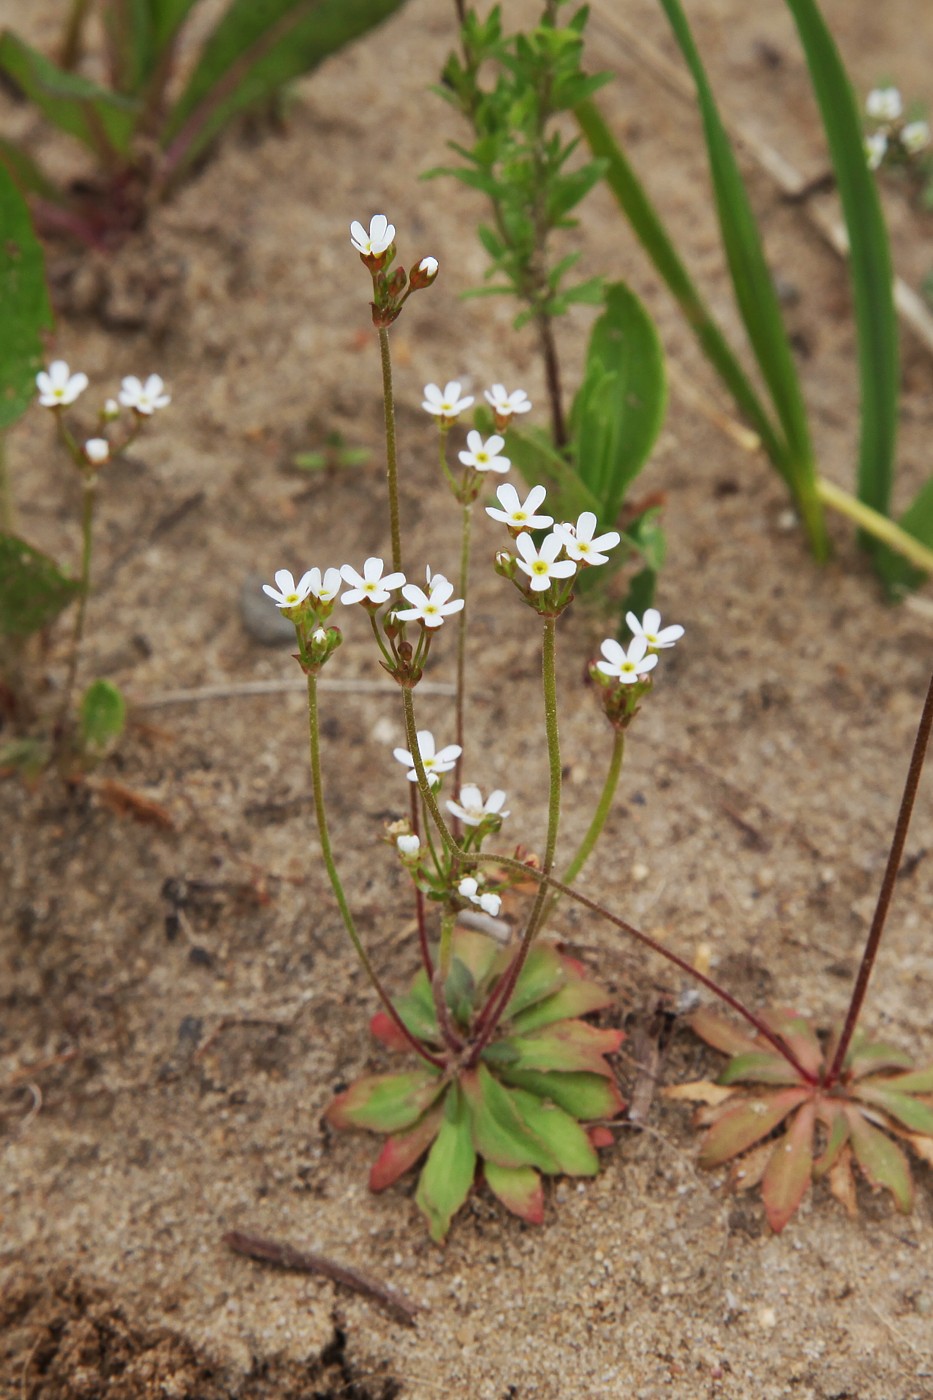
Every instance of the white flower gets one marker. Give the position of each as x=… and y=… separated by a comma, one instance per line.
x=469, y=889
x=542, y=565
x=288, y=593
x=650, y=629
x=325, y=590
x=319, y=635
x=370, y=586
x=914, y=137
x=627, y=667
x=506, y=404
x=884, y=104
x=144, y=398
x=435, y=761
x=471, y=809
x=446, y=405
x=432, y=607
x=428, y=266
x=111, y=410
x=876, y=146
x=57, y=386
x=97, y=451
x=518, y=514
x=579, y=542
x=482, y=456
x=409, y=846
x=377, y=241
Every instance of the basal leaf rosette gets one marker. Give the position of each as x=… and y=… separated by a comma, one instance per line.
x=782, y=1130
x=516, y=1111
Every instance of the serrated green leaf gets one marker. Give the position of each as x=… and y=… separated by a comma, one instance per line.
x=788, y=1173
x=759, y=1067
x=586, y=1096
x=561, y=1134
x=500, y=1134
x=518, y=1188
x=385, y=1103
x=447, y=1175
x=101, y=119
x=882, y=1161
x=102, y=715
x=33, y=590
x=25, y=311
x=618, y=411
x=747, y=1123
x=402, y=1150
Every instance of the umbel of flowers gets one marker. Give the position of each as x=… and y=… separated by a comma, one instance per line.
x=509, y=1077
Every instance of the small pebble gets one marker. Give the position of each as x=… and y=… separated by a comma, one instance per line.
x=259, y=615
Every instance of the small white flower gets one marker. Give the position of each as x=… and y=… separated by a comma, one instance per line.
x=57, y=386
x=97, y=451
x=447, y=404
x=111, y=410
x=884, y=104
x=379, y=239
x=144, y=398
x=579, y=542
x=542, y=565
x=409, y=846
x=915, y=136
x=482, y=456
x=370, y=586
x=469, y=889
x=626, y=666
x=325, y=589
x=876, y=146
x=518, y=514
x=506, y=404
x=432, y=607
x=435, y=761
x=319, y=635
x=288, y=593
x=472, y=810
x=428, y=266
x=655, y=636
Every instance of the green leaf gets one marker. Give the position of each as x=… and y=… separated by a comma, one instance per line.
x=870, y=1057
x=916, y=1116
x=534, y=456
x=754, y=290
x=24, y=303
x=917, y=1081
x=33, y=590
x=720, y=1033
x=103, y=716
x=882, y=1161
x=518, y=1188
x=482, y=955
x=578, y=998
x=798, y=1035
x=562, y=1135
x=402, y=1150
x=898, y=573
x=27, y=175
x=447, y=1175
x=869, y=257
x=542, y=974
x=838, y=1124
x=500, y=1134
x=567, y=1045
x=586, y=1096
x=759, y=1067
x=385, y=1103
x=751, y=1120
x=257, y=47
x=618, y=411
x=167, y=18
x=788, y=1173
x=103, y=120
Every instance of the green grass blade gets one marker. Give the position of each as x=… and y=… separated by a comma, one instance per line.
x=647, y=226
x=754, y=289
x=102, y=119
x=870, y=257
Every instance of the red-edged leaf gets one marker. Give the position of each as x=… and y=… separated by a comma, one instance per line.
x=799, y=1036
x=500, y=1134
x=447, y=1175
x=562, y=1135
x=720, y=1033
x=759, y=1067
x=917, y=1081
x=837, y=1136
x=573, y=966
x=788, y=1173
x=746, y=1173
x=747, y=1123
x=916, y=1116
x=385, y=1030
x=577, y=998
x=519, y=1189
x=585, y=1096
x=385, y=1103
x=542, y=974
x=870, y=1057
x=601, y=1136
x=402, y=1150
x=567, y=1045
x=882, y=1161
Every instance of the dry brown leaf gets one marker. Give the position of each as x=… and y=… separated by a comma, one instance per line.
x=700, y=1091
x=127, y=802
x=842, y=1182
x=747, y=1172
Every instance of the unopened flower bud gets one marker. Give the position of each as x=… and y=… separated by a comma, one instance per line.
x=408, y=846
x=97, y=451
x=110, y=411
x=505, y=564
x=424, y=274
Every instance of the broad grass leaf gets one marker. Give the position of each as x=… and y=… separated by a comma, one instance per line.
x=385, y=1103
x=447, y=1175
x=747, y=1123
x=100, y=118
x=402, y=1150
x=25, y=311
x=33, y=590
x=518, y=1188
x=882, y=1161
x=788, y=1173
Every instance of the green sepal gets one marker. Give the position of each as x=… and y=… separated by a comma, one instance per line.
x=385, y=1103
x=448, y=1173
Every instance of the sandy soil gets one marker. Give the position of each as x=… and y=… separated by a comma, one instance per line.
x=181, y=999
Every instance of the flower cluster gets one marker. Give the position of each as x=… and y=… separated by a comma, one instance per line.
x=893, y=141
x=60, y=388
x=376, y=247
x=624, y=672
x=549, y=566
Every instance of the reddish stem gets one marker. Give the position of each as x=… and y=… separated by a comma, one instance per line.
x=419, y=893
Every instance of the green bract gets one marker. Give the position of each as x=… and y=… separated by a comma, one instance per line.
x=515, y=1109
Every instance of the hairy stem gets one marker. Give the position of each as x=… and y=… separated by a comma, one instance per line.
x=461, y=638
x=602, y=810
x=388, y=400
x=419, y=893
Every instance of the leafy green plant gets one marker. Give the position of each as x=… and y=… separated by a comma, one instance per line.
x=512, y=91
x=902, y=551
x=143, y=132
